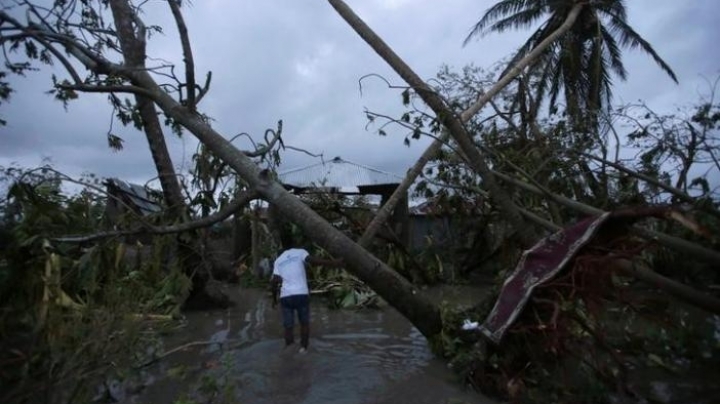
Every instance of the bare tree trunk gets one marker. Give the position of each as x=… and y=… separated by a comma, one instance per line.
x=453, y=125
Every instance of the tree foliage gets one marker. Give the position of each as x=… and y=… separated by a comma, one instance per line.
x=583, y=61
x=640, y=158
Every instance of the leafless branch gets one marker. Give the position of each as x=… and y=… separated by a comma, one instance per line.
x=269, y=143
x=470, y=188
x=297, y=149
x=204, y=90
x=378, y=76
x=414, y=129
x=89, y=88
x=187, y=53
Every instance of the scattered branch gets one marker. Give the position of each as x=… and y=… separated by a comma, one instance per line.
x=67, y=178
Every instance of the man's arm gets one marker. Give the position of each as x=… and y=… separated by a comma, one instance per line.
x=275, y=284
x=330, y=263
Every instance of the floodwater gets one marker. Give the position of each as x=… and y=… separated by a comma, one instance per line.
x=363, y=356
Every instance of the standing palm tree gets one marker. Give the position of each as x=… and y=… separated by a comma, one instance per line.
x=580, y=61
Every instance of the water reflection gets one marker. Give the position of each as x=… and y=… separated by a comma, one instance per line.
x=354, y=357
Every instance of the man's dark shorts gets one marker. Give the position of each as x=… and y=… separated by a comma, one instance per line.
x=290, y=304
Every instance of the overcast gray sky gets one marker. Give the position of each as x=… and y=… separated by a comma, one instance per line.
x=300, y=62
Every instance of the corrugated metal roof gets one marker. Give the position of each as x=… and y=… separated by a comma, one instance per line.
x=337, y=173
x=139, y=196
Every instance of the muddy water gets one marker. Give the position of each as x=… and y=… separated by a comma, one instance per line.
x=372, y=356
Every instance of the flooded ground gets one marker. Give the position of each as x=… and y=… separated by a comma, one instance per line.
x=368, y=356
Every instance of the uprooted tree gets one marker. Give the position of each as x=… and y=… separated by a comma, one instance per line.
x=112, y=50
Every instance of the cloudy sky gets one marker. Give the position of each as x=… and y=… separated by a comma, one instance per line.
x=300, y=62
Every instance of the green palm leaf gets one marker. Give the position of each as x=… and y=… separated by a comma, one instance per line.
x=582, y=63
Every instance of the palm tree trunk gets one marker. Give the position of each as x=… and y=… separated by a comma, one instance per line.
x=172, y=193
x=454, y=127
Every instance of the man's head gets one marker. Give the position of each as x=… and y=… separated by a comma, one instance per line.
x=290, y=241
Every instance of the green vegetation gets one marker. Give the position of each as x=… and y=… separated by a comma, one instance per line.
x=507, y=166
x=72, y=314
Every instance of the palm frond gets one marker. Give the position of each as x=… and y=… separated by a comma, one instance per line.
x=522, y=19
x=633, y=40
x=613, y=53
x=582, y=63
x=501, y=10
x=538, y=36
x=611, y=7
x=598, y=78
x=556, y=78
x=544, y=68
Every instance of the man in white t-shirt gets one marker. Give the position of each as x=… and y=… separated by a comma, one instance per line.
x=290, y=280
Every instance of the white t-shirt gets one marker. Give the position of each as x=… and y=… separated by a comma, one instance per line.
x=290, y=266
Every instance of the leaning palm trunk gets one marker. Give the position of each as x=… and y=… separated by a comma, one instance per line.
x=395, y=289
x=185, y=254
x=453, y=126
x=172, y=193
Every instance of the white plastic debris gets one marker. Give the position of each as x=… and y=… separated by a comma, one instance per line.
x=470, y=325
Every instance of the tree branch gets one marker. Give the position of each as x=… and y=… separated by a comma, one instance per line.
x=269, y=143
x=453, y=123
x=204, y=90
x=238, y=203
x=683, y=292
x=187, y=53
x=526, y=61
x=674, y=191
x=675, y=243
x=26, y=33
x=89, y=88
x=65, y=177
